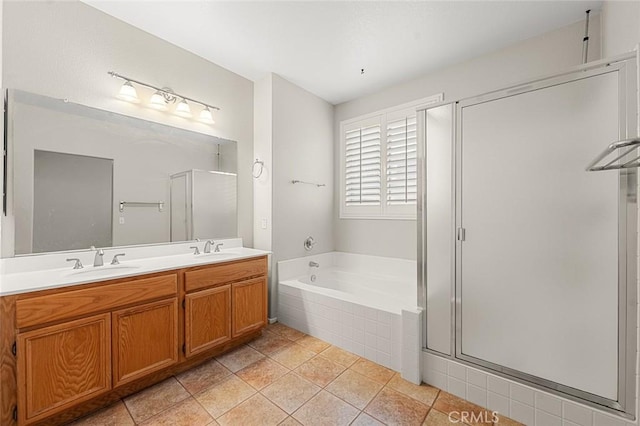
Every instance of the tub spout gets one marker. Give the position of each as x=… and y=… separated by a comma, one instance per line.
x=313, y=264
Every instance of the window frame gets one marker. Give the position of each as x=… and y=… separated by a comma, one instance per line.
x=381, y=118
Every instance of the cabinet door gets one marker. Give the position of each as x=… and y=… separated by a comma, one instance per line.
x=62, y=365
x=145, y=339
x=249, y=305
x=207, y=319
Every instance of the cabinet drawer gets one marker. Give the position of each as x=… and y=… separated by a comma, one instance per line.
x=223, y=273
x=75, y=303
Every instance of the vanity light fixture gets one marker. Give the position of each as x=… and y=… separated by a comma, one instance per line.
x=206, y=116
x=158, y=101
x=183, y=109
x=128, y=93
x=162, y=97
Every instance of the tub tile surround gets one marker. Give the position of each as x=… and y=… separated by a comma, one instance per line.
x=519, y=402
x=263, y=392
x=387, y=337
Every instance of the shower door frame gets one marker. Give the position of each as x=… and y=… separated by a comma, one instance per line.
x=626, y=66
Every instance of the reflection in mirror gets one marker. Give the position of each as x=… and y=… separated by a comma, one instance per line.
x=79, y=176
x=194, y=214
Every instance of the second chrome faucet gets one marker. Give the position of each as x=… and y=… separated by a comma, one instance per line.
x=98, y=259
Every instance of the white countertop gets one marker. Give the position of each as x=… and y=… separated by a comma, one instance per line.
x=15, y=280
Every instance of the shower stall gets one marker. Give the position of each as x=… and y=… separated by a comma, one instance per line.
x=204, y=204
x=528, y=260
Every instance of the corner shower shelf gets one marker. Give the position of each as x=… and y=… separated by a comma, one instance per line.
x=610, y=158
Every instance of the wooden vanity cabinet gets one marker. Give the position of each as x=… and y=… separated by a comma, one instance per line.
x=207, y=319
x=79, y=348
x=224, y=302
x=62, y=365
x=145, y=339
x=249, y=305
x=76, y=344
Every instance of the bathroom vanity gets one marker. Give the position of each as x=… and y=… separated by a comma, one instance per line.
x=68, y=350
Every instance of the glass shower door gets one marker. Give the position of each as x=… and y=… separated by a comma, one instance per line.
x=538, y=268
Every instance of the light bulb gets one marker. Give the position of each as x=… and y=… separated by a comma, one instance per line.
x=206, y=116
x=183, y=109
x=158, y=101
x=128, y=93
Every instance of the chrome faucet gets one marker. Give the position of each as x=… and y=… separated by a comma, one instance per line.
x=207, y=246
x=78, y=264
x=313, y=264
x=217, y=249
x=98, y=260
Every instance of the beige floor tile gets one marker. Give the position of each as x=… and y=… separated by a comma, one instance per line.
x=326, y=409
x=436, y=418
x=203, y=376
x=372, y=370
x=257, y=410
x=157, y=398
x=366, y=420
x=290, y=421
x=239, y=358
x=340, y=356
x=262, y=373
x=284, y=331
x=395, y=408
x=313, y=344
x=292, y=356
x=451, y=404
x=354, y=388
x=269, y=343
x=320, y=370
x=225, y=395
x=113, y=415
x=290, y=392
x=506, y=421
x=423, y=393
x=184, y=413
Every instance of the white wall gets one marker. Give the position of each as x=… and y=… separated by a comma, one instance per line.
x=262, y=150
x=302, y=150
x=294, y=137
x=620, y=27
x=65, y=49
x=546, y=54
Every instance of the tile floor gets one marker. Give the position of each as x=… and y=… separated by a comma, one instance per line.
x=286, y=377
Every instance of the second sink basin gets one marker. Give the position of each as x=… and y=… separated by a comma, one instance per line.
x=101, y=271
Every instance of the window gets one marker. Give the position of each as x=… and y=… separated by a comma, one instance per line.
x=379, y=164
x=363, y=186
x=401, y=161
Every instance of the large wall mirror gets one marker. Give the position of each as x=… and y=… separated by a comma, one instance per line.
x=77, y=177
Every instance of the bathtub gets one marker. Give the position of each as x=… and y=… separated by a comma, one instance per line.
x=363, y=304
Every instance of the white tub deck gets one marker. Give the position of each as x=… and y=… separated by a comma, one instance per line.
x=363, y=304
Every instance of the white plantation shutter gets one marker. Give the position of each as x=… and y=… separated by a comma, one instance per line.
x=362, y=159
x=401, y=156
x=378, y=161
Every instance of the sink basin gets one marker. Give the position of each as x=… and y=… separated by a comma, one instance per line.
x=101, y=271
x=222, y=253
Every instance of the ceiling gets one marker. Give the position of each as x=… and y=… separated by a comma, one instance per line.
x=322, y=46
